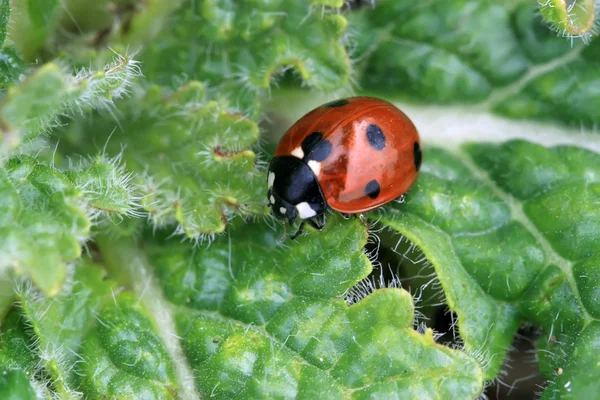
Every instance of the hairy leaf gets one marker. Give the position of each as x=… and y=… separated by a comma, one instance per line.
x=60, y=324
x=11, y=67
x=501, y=253
x=240, y=46
x=116, y=363
x=436, y=52
x=33, y=106
x=509, y=226
x=86, y=340
x=46, y=214
x=4, y=19
x=192, y=156
x=570, y=18
x=554, y=300
x=17, y=361
x=461, y=225
x=261, y=326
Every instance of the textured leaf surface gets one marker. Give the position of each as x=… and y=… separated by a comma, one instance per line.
x=4, y=19
x=518, y=67
x=570, y=18
x=192, y=155
x=46, y=214
x=510, y=226
x=34, y=105
x=555, y=300
x=17, y=362
x=461, y=226
x=261, y=326
x=87, y=340
x=59, y=325
x=502, y=237
x=125, y=357
x=247, y=43
x=11, y=66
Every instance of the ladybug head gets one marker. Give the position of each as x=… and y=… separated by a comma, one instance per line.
x=294, y=190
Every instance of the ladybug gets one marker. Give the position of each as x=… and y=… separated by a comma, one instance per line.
x=352, y=155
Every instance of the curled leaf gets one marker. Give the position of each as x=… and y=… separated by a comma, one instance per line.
x=571, y=18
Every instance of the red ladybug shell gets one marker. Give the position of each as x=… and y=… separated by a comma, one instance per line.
x=374, y=157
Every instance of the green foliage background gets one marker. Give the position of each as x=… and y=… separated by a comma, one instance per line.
x=132, y=135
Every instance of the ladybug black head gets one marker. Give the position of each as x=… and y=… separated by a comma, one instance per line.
x=294, y=190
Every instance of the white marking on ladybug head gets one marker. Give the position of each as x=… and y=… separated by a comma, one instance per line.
x=315, y=166
x=271, y=180
x=282, y=210
x=305, y=211
x=298, y=152
x=272, y=199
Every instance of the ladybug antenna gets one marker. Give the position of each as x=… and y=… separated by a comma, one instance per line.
x=252, y=203
x=255, y=203
x=284, y=231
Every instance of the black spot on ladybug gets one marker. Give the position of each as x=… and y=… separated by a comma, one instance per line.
x=315, y=147
x=418, y=155
x=311, y=141
x=372, y=189
x=376, y=137
x=337, y=103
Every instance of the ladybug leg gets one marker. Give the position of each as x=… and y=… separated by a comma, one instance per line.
x=317, y=222
x=298, y=232
x=364, y=220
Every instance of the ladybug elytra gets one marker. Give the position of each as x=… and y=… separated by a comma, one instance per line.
x=352, y=155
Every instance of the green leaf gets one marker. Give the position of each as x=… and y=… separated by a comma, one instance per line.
x=11, y=67
x=261, y=326
x=124, y=355
x=435, y=50
x=249, y=43
x=106, y=186
x=31, y=23
x=193, y=158
x=510, y=227
x=4, y=19
x=581, y=371
x=484, y=225
x=17, y=361
x=15, y=343
x=59, y=325
x=448, y=215
x=570, y=18
x=15, y=386
x=86, y=340
x=149, y=21
x=518, y=67
x=51, y=228
x=34, y=106
x=47, y=215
